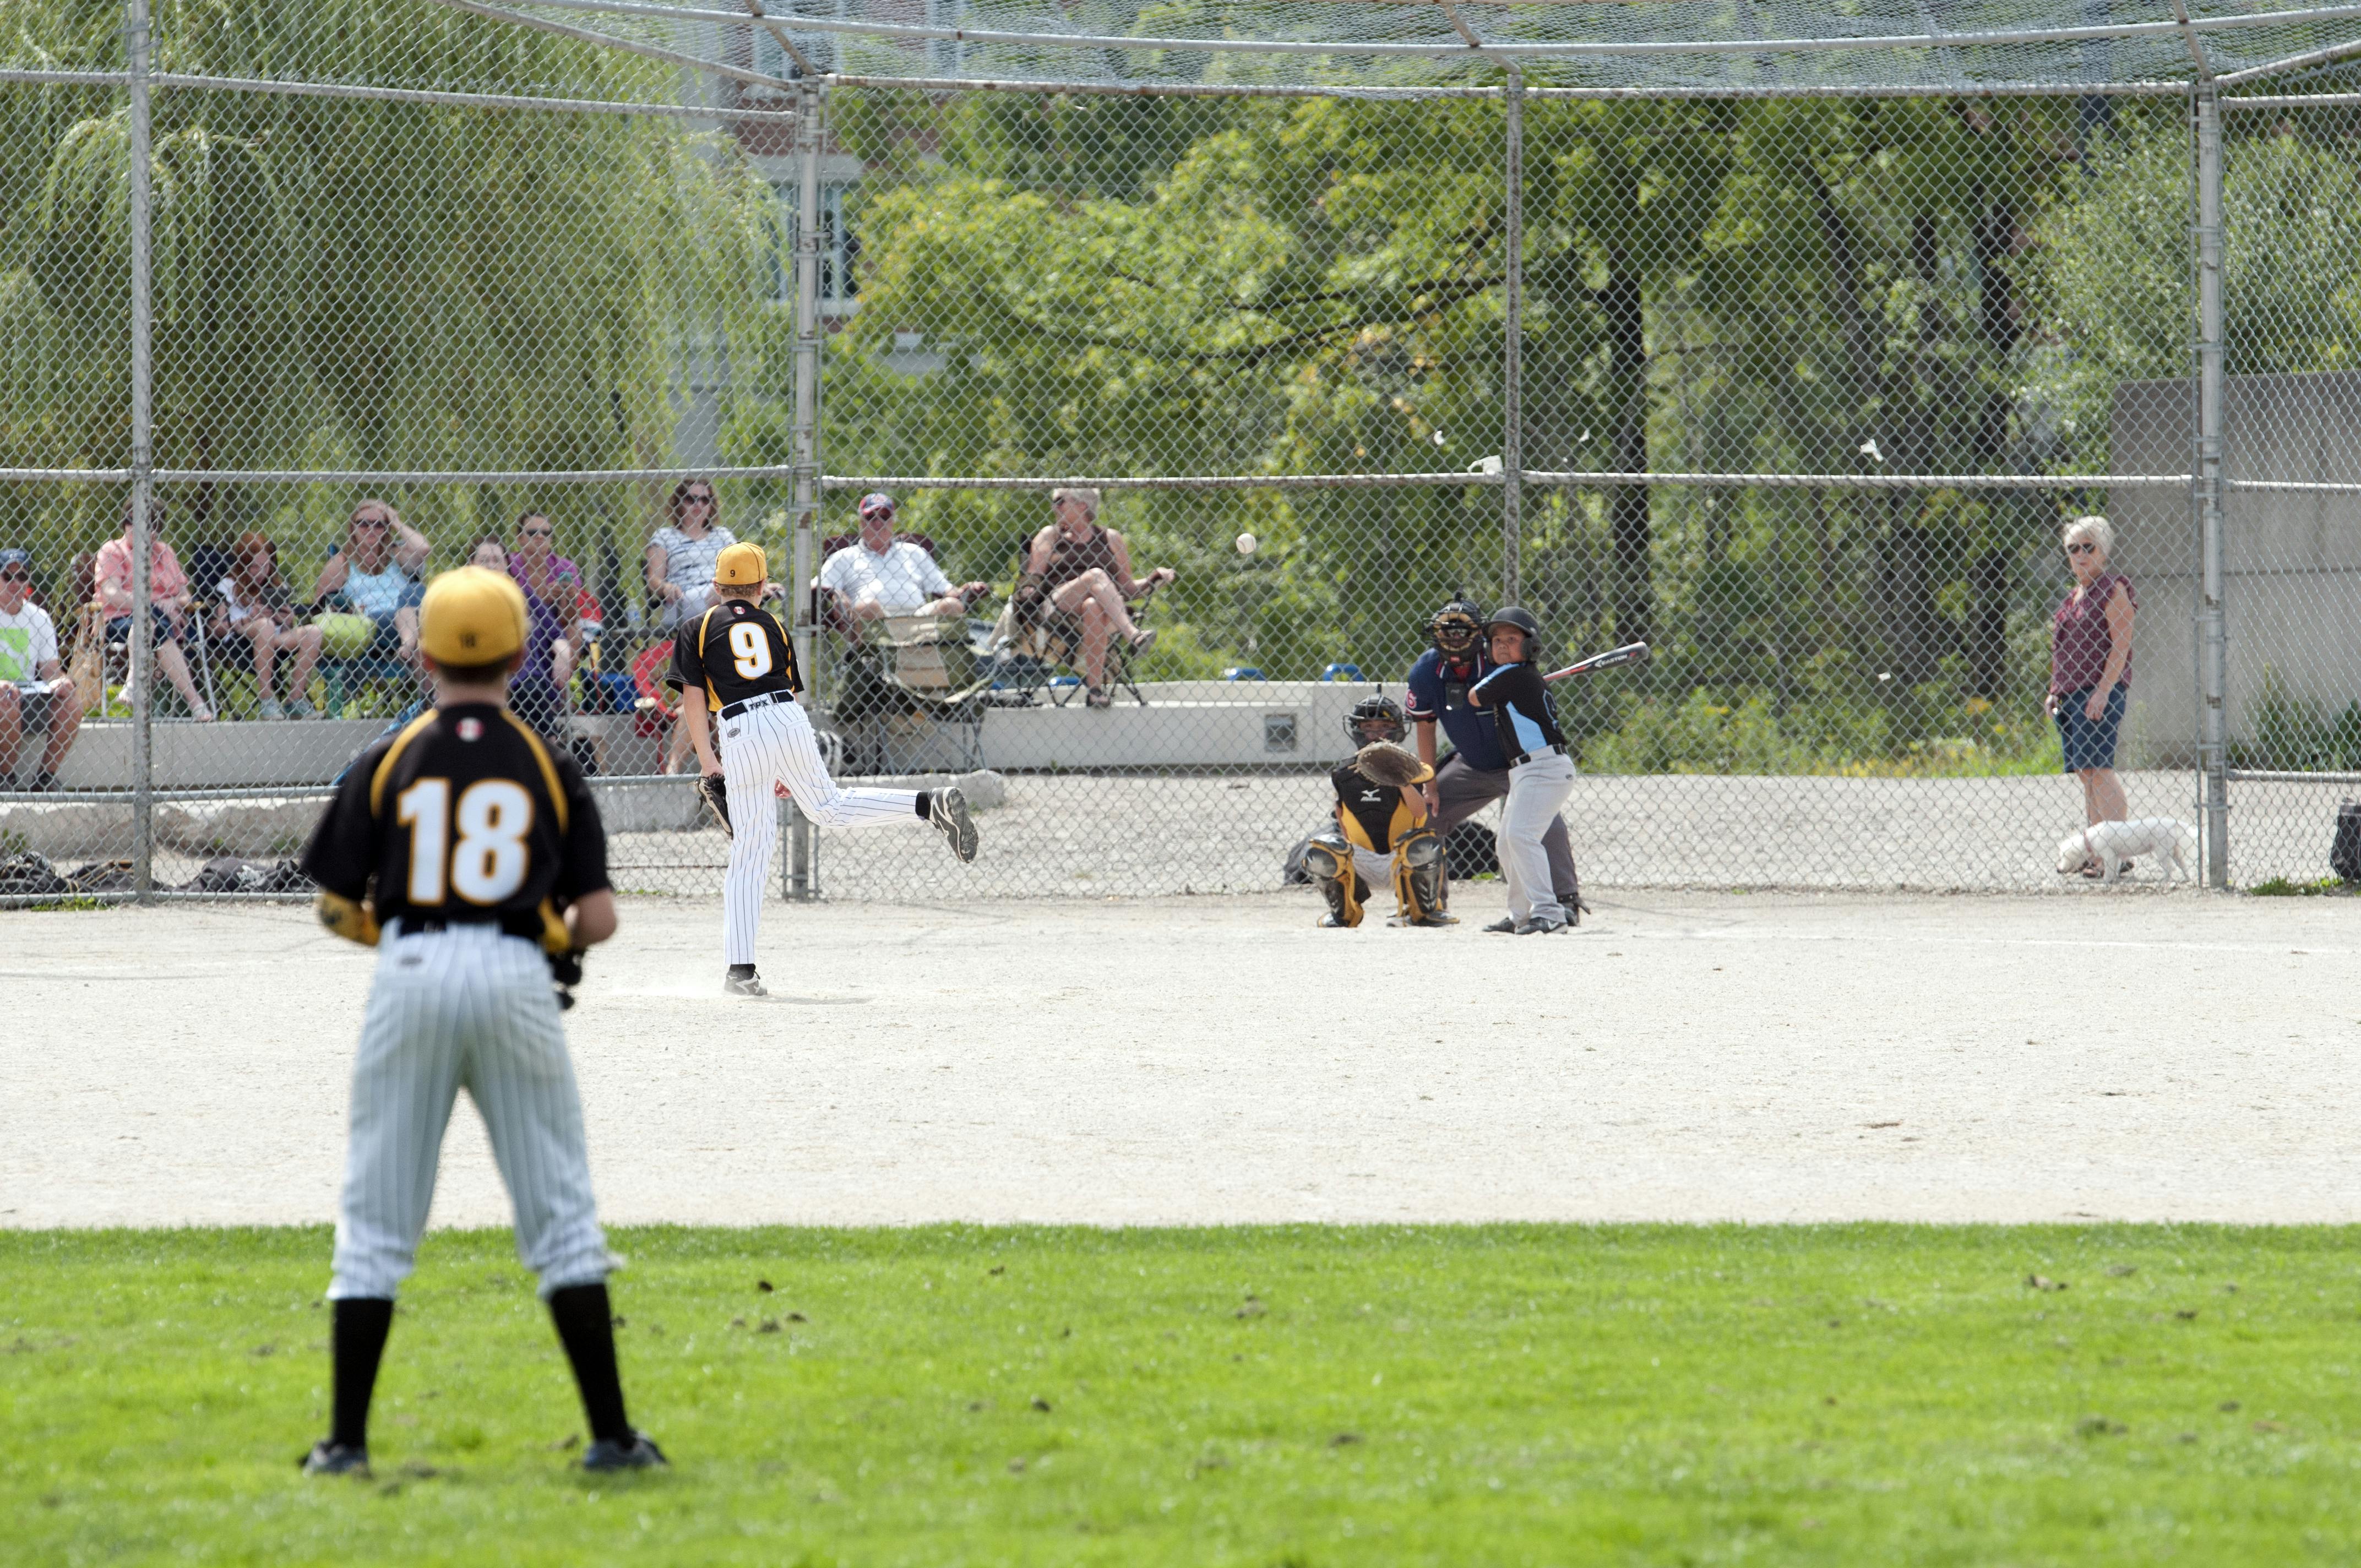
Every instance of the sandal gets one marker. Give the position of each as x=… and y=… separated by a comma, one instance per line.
x=1139, y=642
x=1096, y=696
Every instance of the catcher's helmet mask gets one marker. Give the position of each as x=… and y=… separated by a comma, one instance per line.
x=1455, y=628
x=1377, y=718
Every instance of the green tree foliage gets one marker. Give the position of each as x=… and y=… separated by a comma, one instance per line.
x=362, y=284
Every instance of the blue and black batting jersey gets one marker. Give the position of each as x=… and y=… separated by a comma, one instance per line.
x=464, y=815
x=733, y=652
x=1520, y=705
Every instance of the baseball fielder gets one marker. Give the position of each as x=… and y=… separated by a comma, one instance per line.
x=735, y=671
x=453, y=847
x=1381, y=836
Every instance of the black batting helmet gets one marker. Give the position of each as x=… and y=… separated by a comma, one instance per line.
x=1519, y=618
x=1375, y=717
x=1455, y=627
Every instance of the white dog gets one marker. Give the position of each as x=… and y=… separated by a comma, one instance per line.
x=2113, y=843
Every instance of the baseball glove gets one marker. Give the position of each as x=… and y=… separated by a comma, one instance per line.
x=714, y=790
x=1384, y=762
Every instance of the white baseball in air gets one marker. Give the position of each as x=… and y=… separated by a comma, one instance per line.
x=1246, y=543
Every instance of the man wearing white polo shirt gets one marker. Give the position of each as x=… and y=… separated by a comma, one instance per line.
x=878, y=575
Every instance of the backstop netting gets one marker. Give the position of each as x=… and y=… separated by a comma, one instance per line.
x=1782, y=339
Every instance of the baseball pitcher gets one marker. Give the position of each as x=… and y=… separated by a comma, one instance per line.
x=736, y=672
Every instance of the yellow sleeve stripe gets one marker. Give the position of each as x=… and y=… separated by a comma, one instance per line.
x=548, y=768
x=392, y=755
x=704, y=624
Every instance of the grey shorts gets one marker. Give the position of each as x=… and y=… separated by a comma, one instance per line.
x=36, y=706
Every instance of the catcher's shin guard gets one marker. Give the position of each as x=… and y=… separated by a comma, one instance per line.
x=1329, y=859
x=1418, y=879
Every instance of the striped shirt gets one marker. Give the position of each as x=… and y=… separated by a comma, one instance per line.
x=689, y=565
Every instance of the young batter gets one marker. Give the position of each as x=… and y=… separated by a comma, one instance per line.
x=736, y=671
x=460, y=840
x=1541, y=775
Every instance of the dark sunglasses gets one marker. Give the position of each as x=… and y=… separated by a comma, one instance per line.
x=13, y=576
x=697, y=499
x=2084, y=548
x=368, y=522
x=536, y=532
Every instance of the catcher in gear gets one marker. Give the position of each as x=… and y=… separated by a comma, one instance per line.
x=1381, y=832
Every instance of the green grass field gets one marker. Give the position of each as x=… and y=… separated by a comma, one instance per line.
x=1309, y=1396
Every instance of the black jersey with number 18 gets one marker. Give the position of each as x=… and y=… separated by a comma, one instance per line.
x=733, y=652
x=464, y=815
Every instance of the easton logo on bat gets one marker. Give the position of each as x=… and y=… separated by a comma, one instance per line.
x=1630, y=654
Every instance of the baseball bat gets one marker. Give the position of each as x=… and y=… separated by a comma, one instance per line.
x=1630, y=654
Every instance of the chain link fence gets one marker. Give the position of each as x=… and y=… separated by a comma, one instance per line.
x=1786, y=352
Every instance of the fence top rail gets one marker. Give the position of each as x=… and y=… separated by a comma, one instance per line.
x=2150, y=89
x=1461, y=47
x=1574, y=478
x=461, y=100
x=451, y=476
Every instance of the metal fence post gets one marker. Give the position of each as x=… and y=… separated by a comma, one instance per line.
x=2206, y=497
x=1512, y=357
x=143, y=462
x=796, y=879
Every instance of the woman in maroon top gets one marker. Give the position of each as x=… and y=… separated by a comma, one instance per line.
x=2091, y=665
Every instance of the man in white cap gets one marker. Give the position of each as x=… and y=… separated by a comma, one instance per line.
x=878, y=575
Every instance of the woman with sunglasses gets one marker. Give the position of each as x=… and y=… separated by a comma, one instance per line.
x=376, y=573
x=256, y=604
x=2090, y=668
x=681, y=554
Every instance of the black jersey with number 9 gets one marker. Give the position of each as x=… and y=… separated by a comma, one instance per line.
x=464, y=815
x=733, y=652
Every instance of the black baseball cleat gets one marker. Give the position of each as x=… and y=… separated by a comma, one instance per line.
x=1423, y=920
x=637, y=1452
x=1543, y=927
x=1506, y=925
x=742, y=981
x=948, y=811
x=335, y=1459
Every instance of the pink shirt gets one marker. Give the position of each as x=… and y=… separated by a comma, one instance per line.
x=2080, y=641
x=165, y=578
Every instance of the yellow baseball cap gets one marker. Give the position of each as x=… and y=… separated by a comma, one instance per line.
x=472, y=616
x=741, y=567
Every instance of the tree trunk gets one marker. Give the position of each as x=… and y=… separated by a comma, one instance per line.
x=1628, y=507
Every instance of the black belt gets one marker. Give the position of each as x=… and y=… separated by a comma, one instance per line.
x=731, y=710
x=526, y=924
x=1521, y=758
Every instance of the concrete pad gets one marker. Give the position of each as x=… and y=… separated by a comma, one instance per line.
x=1684, y=1056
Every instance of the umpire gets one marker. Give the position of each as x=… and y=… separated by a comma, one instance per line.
x=1476, y=771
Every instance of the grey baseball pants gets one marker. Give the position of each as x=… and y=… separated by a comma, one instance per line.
x=1462, y=791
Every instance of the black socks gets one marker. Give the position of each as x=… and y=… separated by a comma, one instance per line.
x=361, y=1325
x=925, y=806
x=586, y=1328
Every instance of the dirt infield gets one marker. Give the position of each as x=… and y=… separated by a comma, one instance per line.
x=1206, y=1060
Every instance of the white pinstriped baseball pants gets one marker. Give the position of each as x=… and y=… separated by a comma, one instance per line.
x=761, y=747
x=465, y=1008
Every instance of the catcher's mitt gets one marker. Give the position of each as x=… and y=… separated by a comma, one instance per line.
x=1384, y=762
x=714, y=790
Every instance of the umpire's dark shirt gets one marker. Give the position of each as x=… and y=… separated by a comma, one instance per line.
x=1438, y=691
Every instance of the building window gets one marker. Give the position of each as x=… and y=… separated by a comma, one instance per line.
x=840, y=251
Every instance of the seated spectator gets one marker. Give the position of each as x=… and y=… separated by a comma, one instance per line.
x=168, y=602
x=877, y=576
x=554, y=584
x=681, y=554
x=258, y=605
x=377, y=575
x=537, y=691
x=35, y=691
x=1084, y=571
